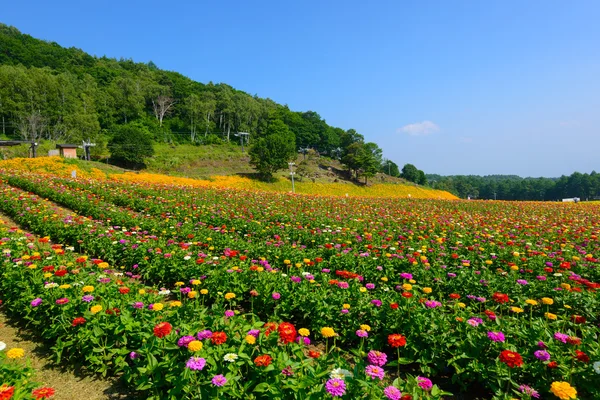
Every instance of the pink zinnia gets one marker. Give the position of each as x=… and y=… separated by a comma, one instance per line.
x=63, y=300
x=276, y=296
x=377, y=358
x=374, y=372
x=219, y=380
x=424, y=383
x=496, y=336
x=336, y=387
x=392, y=393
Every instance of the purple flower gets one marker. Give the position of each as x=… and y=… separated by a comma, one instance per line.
x=451, y=275
x=287, y=371
x=185, y=340
x=343, y=285
x=370, y=286
x=205, y=334
x=336, y=387
x=296, y=279
x=133, y=355
x=229, y=313
x=406, y=275
x=197, y=364
x=325, y=270
x=276, y=296
x=496, y=336
x=474, y=321
x=303, y=340
x=561, y=336
x=254, y=332
x=62, y=300
x=542, y=345
x=377, y=358
x=529, y=391
x=522, y=282
x=392, y=393
x=344, y=311
x=36, y=302
x=424, y=383
x=542, y=355
x=362, y=333
x=376, y=302
x=138, y=304
x=219, y=380
x=374, y=372
x=433, y=304
x=88, y=298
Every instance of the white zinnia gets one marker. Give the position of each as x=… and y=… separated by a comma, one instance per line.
x=340, y=373
x=230, y=357
x=2, y=346
x=596, y=366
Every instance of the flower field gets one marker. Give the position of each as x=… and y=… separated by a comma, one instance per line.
x=208, y=292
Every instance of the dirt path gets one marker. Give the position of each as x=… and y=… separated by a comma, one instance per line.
x=68, y=384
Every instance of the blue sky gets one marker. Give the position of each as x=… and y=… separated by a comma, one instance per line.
x=454, y=87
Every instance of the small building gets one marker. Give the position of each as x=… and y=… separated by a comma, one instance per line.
x=571, y=200
x=67, y=150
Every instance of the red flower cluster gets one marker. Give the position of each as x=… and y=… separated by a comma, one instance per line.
x=6, y=392
x=218, y=338
x=581, y=356
x=552, y=364
x=394, y=306
x=511, y=358
x=578, y=319
x=287, y=332
x=263, y=361
x=270, y=327
x=163, y=329
x=314, y=354
x=61, y=272
x=42, y=393
x=454, y=296
x=78, y=321
x=346, y=274
x=124, y=290
x=500, y=298
x=397, y=340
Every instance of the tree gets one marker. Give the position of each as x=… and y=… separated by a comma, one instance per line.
x=410, y=173
x=390, y=168
x=162, y=106
x=272, y=152
x=131, y=145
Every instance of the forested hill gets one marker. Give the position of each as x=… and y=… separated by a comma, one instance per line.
x=51, y=92
x=512, y=187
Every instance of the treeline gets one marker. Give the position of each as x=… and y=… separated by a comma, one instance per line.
x=511, y=187
x=51, y=92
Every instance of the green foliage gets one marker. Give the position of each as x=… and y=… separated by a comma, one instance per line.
x=131, y=144
x=272, y=152
x=412, y=174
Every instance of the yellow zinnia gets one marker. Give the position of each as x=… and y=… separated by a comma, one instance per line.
x=365, y=327
x=563, y=390
x=550, y=316
x=327, y=332
x=175, y=304
x=229, y=296
x=95, y=309
x=87, y=289
x=516, y=309
x=195, y=345
x=157, y=307
x=142, y=292
x=192, y=294
x=547, y=300
x=407, y=287
x=303, y=332
x=204, y=291
x=15, y=353
x=250, y=339
x=531, y=302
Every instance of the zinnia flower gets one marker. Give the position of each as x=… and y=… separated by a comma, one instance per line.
x=303, y=332
x=163, y=329
x=377, y=358
x=392, y=393
x=36, y=302
x=195, y=363
x=43, y=393
x=424, y=383
x=263, y=361
x=15, y=353
x=287, y=332
x=511, y=358
x=596, y=366
x=542, y=355
x=529, y=391
x=397, y=340
x=218, y=338
x=336, y=387
x=230, y=357
x=374, y=371
x=6, y=392
x=219, y=380
x=563, y=390
x=194, y=345
x=496, y=336
x=328, y=332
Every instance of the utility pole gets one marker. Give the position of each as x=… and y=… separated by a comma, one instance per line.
x=33, y=148
x=86, y=149
x=494, y=195
x=242, y=135
x=291, y=164
x=303, y=150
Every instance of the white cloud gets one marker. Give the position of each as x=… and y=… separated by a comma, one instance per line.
x=419, y=128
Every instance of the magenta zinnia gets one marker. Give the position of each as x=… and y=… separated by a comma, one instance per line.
x=374, y=372
x=336, y=387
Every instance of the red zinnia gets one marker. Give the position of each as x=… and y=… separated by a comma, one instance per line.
x=455, y=296
x=263, y=361
x=511, y=358
x=397, y=340
x=552, y=364
x=578, y=319
x=287, y=332
x=61, y=272
x=408, y=295
x=270, y=327
x=163, y=329
x=218, y=338
x=500, y=298
x=581, y=356
x=6, y=392
x=124, y=290
x=43, y=393
x=314, y=354
x=574, y=340
x=394, y=306
x=78, y=321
